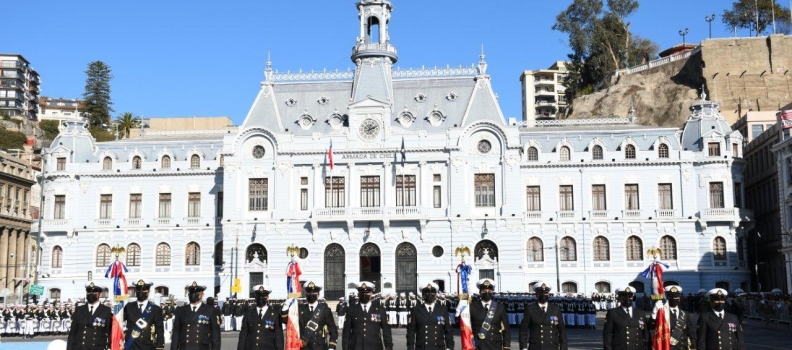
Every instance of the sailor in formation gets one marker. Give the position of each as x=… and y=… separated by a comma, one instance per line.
x=91, y=324
x=427, y=326
x=489, y=320
x=366, y=326
x=542, y=325
x=196, y=325
x=144, y=321
x=717, y=329
x=626, y=328
x=262, y=326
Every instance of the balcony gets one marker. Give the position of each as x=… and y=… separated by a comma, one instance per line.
x=543, y=92
x=533, y=215
x=162, y=221
x=192, y=221
x=386, y=213
x=53, y=225
x=598, y=214
x=133, y=222
x=631, y=214
x=103, y=222
x=720, y=214
x=565, y=214
x=363, y=50
x=665, y=213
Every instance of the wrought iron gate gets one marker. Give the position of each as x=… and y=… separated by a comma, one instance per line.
x=370, y=264
x=334, y=271
x=406, y=268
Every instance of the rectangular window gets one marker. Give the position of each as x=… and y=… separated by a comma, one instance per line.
x=303, y=199
x=566, y=202
x=598, y=197
x=258, y=190
x=534, y=200
x=716, y=194
x=756, y=130
x=738, y=195
x=369, y=191
x=484, y=190
x=106, y=206
x=631, y=197
x=61, y=163
x=194, y=204
x=219, y=209
x=714, y=149
x=60, y=207
x=436, y=177
x=334, y=192
x=135, y=205
x=165, y=205
x=665, y=197
x=735, y=150
x=437, y=197
x=405, y=190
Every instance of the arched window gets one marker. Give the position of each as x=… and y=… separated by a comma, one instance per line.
x=602, y=287
x=166, y=162
x=137, y=163
x=601, y=249
x=256, y=251
x=568, y=249
x=565, y=155
x=57, y=257
x=195, y=161
x=719, y=249
x=192, y=254
x=163, y=255
x=107, y=163
x=218, y=253
x=103, y=255
x=596, y=152
x=533, y=154
x=662, y=151
x=535, y=247
x=634, y=248
x=569, y=287
x=629, y=152
x=133, y=255
x=54, y=293
x=668, y=248
x=639, y=286
x=161, y=290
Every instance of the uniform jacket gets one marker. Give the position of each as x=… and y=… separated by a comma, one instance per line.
x=542, y=330
x=90, y=332
x=265, y=333
x=429, y=332
x=714, y=333
x=367, y=330
x=199, y=330
x=498, y=336
x=152, y=336
x=624, y=333
x=326, y=326
x=341, y=309
x=682, y=331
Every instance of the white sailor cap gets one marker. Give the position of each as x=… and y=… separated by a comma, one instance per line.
x=717, y=293
x=365, y=286
x=261, y=289
x=312, y=286
x=541, y=287
x=673, y=289
x=625, y=290
x=92, y=287
x=485, y=283
x=430, y=287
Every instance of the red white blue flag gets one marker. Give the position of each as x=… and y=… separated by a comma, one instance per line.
x=785, y=118
x=117, y=271
x=330, y=155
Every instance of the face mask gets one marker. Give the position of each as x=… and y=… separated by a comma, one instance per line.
x=486, y=296
x=673, y=302
x=365, y=298
x=261, y=300
x=542, y=298
x=142, y=296
x=429, y=297
x=625, y=301
x=717, y=307
x=194, y=297
x=91, y=298
x=312, y=298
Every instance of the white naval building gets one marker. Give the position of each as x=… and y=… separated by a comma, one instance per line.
x=580, y=202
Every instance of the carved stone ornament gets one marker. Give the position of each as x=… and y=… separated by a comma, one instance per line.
x=457, y=162
x=283, y=167
x=230, y=168
x=686, y=174
x=512, y=160
x=256, y=265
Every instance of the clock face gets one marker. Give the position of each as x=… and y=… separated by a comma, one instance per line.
x=369, y=129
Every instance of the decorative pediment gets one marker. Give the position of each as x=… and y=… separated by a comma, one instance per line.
x=256, y=265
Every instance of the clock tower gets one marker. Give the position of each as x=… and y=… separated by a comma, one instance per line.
x=371, y=104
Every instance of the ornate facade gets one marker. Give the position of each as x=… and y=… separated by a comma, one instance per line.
x=16, y=213
x=423, y=162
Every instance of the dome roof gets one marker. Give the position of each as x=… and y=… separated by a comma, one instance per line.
x=704, y=119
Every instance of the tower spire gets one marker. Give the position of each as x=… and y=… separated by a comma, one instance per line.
x=268, y=71
x=482, y=62
x=374, y=39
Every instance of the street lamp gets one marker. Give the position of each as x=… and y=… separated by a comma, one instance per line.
x=709, y=20
x=683, y=33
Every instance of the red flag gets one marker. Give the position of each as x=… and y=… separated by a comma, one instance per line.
x=785, y=117
x=330, y=155
x=117, y=333
x=662, y=336
x=465, y=330
x=293, y=341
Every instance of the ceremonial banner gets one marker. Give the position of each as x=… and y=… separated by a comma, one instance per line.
x=330, y=155
x=294, y=289
x=465, y=329
x=117, y=334
x=116, y=271
x=662, y=336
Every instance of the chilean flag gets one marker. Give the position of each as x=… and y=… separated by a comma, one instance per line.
x=116, y=271
x=330, y=155
x=117, y=334
x=293, y=273
x=465, y=330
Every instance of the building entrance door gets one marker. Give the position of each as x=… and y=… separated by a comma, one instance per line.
x=334, y=272
x=406, y=268
x=371, y=265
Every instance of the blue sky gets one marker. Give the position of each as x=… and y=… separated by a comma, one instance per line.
x=201, y=58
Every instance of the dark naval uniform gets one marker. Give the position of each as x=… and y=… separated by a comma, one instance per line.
x=367, y=330
x=623, y=332
x=542, y=330
x=90, y=331
x=196, y=330
x=427, y=331
x=681, y=330
x=714, y=333
x=498, y=337
x=265, y=333
x=151, y=336
x=325, y=325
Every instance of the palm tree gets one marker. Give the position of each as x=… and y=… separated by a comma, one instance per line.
x=126, y=122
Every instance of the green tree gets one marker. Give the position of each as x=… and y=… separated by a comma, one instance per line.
x=601, y=42
x=50, y=128
x=756, y=16
x=96, y=97
x=11, y=139
x=126, y=122
x=100, y=134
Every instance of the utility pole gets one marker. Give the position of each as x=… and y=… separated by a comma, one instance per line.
x=40, y=217
x=558, y=267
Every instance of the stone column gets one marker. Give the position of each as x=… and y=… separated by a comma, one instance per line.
x=29, y=256
x=19, y=270
x=12, y=250
x=386, y=179
x=4, y=257
x=318, y=187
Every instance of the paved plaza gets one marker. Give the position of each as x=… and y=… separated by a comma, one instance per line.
x=775, y=336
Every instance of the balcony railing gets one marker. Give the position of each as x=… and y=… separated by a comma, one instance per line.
x=565, y=214
x=103, y=222
x=599, y=214
x=361, y=212
x=535, y=214
x=192, y=220
x=714, y=214
x=54, y=223
x=631, y=214
x=665, y=213
x=133, y=221
x=162, y=221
